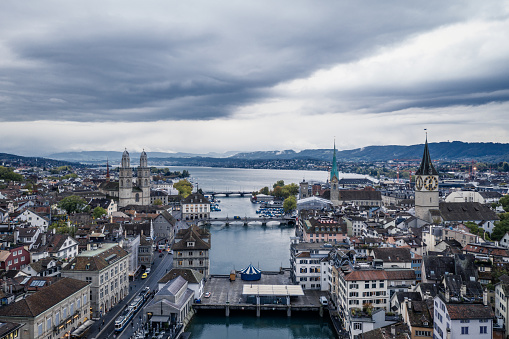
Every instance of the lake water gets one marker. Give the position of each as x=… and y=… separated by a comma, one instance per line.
x=242, y=179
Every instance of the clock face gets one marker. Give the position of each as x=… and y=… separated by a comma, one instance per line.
x=419, y=183
x=431, y=183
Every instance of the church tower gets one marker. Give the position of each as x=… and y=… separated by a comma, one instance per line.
x=334, y=180
x=144, y=179
x=426, y=187
x=125, y=182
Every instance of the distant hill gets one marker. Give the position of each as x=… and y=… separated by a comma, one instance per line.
x=114, y=156
x=17, y=160
x=447, y=151
x=455, y=150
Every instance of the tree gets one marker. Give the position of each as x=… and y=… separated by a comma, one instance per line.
x=279, y=183
x=8, y=174
x=158, y=202
x=73, y=203
x=99, y=212
x=504, y=201
x=501, y=227
x=265, y=190
x=184, y=187
x=290, y=204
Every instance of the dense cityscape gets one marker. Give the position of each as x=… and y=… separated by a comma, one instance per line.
x=412, y=250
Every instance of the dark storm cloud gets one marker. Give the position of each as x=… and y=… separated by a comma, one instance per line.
x=196, y=61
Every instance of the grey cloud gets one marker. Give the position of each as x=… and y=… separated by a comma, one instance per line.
x=134, y=67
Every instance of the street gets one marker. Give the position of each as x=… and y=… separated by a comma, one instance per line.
x=104, y=328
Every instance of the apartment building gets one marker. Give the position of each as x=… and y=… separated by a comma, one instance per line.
x=53, y=312
x=106, y=269
x=192, y=250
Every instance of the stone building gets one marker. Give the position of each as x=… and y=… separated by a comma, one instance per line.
x=124, y=190
x=106, y=269
x=191, y=250
x=53, y=312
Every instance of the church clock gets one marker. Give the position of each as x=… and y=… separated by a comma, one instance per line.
x=419, y=183
x=430, y=183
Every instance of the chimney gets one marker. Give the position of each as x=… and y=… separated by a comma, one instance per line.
x=485, y=297
x=393, y=331
x=43, y=239
x=16, y=235
x=463, y=290
x=428, y=295
x=447, y=295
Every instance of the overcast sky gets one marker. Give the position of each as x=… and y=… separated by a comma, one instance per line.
x=200, y=76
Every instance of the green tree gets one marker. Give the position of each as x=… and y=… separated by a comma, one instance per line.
x=290, y=204
x=8, y=174
x=265, y=191
x=504, y=201
x=184, y=187
x=73, y=203
x=501, y=227
x=158, y=202
x=99, y=212
x=279, y=183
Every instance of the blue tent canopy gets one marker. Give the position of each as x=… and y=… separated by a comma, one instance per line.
x=250, y=273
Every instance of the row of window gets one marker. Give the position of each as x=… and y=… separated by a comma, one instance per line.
x=56, y=318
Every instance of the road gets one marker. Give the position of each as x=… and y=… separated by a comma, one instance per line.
x=159, y=269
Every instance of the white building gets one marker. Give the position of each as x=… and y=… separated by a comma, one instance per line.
x=33, y=219
x=462, y=320
x=306, y=265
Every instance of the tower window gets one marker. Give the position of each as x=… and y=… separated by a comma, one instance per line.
x=137, y=197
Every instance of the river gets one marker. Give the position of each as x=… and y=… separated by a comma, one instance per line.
x=266, y=247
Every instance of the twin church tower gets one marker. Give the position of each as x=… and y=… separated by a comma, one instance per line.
x=129, y=194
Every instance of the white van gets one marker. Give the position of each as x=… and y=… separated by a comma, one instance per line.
x=324, y=301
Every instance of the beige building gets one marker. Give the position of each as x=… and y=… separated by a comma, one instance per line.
x=53, y=312
x=191, y=250
x=195, y=206
x=106, y=269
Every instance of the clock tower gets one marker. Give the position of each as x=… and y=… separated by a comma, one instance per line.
x=426, y=187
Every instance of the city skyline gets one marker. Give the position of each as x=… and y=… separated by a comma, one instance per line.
x=204, y=77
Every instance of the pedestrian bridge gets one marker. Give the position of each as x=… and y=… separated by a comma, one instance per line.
x=247, y=220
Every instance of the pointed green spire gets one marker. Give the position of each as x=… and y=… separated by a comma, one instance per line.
x=334, y=170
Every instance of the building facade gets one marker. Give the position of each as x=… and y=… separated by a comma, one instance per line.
x=53, y=312
x=106, y=269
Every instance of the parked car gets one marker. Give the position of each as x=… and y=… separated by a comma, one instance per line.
x=324, y=301
x=207, y=295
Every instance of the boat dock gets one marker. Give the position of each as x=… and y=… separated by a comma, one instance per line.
x=229, y=296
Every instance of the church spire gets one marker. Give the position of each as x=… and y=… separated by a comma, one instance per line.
x=107, y=170
x=334, y=170
x=426, y=167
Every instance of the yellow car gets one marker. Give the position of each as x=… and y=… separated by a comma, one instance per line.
x=144, y=275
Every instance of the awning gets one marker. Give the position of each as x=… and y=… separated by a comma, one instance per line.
x=159, y=319
x=273, y=290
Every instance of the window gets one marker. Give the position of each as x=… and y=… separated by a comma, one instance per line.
x=464, y=330
x=57, y=318
x=19, y=252
x=464, y=321
x=39, y=329
x=423, y=333
x=483, y=329
x=357, y=326
x=88, y=279
x=64, y=313
x=366, y=285
x=85, y=299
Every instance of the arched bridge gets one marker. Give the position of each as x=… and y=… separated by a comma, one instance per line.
x=246, y=220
